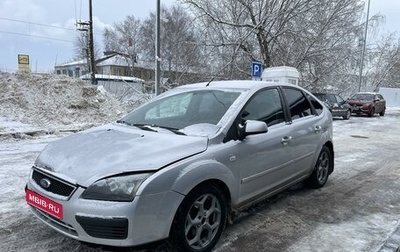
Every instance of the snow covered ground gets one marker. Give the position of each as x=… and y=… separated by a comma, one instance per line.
x=51, y=102
x=362, y=215
x=358, y=209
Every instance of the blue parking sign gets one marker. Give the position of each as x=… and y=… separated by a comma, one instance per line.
x=256, y=70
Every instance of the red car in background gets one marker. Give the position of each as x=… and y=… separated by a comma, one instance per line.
x=367, y=103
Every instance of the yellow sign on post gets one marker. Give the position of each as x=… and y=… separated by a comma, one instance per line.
x=23, y=63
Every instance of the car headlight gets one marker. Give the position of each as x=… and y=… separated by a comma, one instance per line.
x=119, y=188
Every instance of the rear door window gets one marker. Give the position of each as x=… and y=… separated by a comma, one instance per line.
x=298, y=104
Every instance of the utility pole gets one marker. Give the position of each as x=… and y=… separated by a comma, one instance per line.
x=91, y=46
x=83, y=26
x=87, y=28
x=363, y=49
x=157, y=45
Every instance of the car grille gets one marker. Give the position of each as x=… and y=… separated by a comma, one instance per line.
x=115, y=228
x=57, y=186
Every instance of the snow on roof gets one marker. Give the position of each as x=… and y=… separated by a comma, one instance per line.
x=116, y=60
x=73, y=63
x=112, y=77
x=234, y=84
x=281, y=71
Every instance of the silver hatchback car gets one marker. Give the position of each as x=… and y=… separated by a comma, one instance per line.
x=179, y=166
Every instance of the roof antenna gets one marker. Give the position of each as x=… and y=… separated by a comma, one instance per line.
x=210, y=81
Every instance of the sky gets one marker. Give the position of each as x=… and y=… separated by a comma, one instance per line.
x=45, y=30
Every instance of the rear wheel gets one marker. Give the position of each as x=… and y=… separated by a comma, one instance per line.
x=347, y=115
x=322, y=169
x=382, y=113
x=200, y=220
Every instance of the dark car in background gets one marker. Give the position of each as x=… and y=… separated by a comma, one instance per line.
x=336, y=104
x=368, y=103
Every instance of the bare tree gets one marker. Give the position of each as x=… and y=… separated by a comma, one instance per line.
x=324, y=44
x=81, y=47
x=123, y=39
x=180, y=53
x=383, y=64
x=319, y=37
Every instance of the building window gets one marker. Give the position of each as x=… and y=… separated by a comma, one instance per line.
x=292, y=81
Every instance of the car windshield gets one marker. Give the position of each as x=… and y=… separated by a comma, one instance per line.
x=182, y=110
x=368, y=97
x=321, y=97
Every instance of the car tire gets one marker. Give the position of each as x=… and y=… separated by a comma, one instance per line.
x=382, y=113
x=347, y=115
x=372, y=112
x=322, y=169
x=200, y=220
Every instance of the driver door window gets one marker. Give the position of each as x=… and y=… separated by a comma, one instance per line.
x=340, y=100
x=265, y=106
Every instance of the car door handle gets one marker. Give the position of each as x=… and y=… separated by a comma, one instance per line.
x=286, y=139
x=317, y=129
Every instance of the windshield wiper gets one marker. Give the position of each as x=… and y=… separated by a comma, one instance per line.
x=138, y=125
x=144, y=127
x=174, y=130
x=148, y=127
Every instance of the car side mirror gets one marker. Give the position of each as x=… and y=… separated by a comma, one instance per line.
x=251, y=127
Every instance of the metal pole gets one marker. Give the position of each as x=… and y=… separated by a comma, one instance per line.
x=91, y=47
x=158, y=59
x=363, y=50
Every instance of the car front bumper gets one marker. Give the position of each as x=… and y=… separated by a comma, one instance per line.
x=361, y=109
x=144, y=220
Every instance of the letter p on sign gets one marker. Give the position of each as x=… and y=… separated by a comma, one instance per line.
x=256, y=70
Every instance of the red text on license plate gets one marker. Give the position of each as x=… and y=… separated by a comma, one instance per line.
x=44, y=204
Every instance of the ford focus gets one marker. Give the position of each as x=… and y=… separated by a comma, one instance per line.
x=178, y=167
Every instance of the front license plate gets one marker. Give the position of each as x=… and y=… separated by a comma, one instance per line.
x=44, y=204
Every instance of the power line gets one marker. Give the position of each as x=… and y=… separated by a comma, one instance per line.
x=34, y=36
x=45, y=25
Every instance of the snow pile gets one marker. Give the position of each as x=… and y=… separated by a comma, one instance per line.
x=55, y=102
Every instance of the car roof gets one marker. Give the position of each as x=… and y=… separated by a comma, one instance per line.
x=234, y=84
x=368, y=93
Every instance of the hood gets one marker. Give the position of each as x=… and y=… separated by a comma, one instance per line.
x=113, y=149
x=358, y=102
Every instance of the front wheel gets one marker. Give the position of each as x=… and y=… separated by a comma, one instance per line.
x=372, y=112
x=200, y=220
x=322, y=169
x=347, y=115
x=382, y=113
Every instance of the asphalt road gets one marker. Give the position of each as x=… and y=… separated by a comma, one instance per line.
x=357, y=210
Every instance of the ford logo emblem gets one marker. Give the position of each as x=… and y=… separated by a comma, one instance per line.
x=45, y=183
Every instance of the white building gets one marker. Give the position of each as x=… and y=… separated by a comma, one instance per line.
x=283, y=74
x=392, y=96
